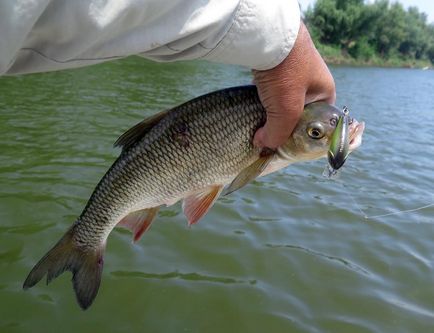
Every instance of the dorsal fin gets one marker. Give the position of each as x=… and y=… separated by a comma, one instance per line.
x=139, y=130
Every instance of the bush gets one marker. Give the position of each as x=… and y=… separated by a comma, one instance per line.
x=362, y=49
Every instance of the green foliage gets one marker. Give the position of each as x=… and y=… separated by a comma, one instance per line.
x=362, y=49
x=371, y=31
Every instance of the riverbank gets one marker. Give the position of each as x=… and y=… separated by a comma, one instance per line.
x=335, y=56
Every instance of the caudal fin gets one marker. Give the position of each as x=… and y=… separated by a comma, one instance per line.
x=85, y=264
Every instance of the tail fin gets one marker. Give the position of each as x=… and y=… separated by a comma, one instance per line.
x=85, y=264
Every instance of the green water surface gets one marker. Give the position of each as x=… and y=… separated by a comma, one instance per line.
x=291, y=252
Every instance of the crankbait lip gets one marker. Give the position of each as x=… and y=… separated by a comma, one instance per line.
x=356, y=130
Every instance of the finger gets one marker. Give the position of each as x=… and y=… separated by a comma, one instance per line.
x=322, y=88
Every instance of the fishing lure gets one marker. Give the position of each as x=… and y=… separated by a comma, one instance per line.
x=339, y=145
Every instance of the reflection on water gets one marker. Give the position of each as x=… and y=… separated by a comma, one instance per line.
x=239, y=268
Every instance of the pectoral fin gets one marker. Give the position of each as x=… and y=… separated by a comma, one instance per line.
x=139, y=221
x=251, y=172
x=197, y=205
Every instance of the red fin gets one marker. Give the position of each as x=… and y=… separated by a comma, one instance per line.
x=197, y=205
x=139, y=221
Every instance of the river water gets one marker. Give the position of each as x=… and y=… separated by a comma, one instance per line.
x=291, y=252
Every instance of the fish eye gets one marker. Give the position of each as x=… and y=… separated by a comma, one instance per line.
x=315, y=131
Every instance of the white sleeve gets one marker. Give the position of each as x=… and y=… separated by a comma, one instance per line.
x=47, y=35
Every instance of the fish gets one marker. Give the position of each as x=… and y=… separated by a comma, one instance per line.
x=190, y=152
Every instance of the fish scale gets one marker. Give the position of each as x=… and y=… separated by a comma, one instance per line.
x=189, y=152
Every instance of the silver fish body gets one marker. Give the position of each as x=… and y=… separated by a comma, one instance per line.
x=189, y=152
x=203, y=142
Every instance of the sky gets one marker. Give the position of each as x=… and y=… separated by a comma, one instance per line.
x=426, y=6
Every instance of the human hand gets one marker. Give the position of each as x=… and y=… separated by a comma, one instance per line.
x=302, y=78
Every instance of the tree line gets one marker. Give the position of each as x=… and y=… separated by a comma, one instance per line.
x=366, y=30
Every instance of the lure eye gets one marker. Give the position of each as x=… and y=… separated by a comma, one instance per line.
x=315, y=131
x=334, y=121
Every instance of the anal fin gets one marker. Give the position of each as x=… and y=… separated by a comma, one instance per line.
x=139, y=221
x=197, y=205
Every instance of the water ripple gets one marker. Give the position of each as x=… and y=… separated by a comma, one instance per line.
x=26, y=229
x=406, y=305
x=346, y=263
x=181, y=276
x=11, y=256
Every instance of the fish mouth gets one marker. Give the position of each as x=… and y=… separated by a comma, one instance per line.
x=356, y=132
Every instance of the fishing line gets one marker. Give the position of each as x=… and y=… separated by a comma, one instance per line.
x=370, y=217
x=337, y=154
x=401, y=211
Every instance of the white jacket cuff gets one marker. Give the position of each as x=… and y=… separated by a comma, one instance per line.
x=261, y=35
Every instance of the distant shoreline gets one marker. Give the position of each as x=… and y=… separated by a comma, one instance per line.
x=416, y=64
x=335, y=56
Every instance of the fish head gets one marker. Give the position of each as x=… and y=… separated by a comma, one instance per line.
x=312, y=136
